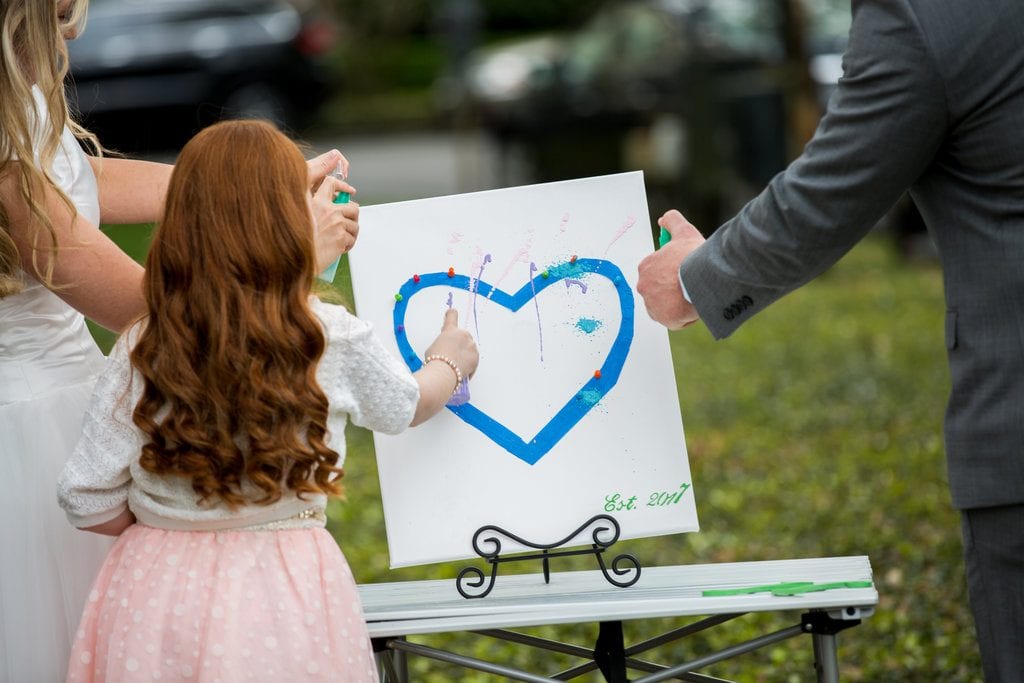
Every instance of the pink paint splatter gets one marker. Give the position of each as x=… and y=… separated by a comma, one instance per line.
x=455, y=239
x=521, y=256
x=630, y=222
x=565, y=222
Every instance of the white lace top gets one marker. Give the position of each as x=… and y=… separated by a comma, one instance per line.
x=363, y=383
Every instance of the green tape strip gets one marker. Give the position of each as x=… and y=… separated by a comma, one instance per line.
x=786, y=588
x=716, y=592
x=814, y=588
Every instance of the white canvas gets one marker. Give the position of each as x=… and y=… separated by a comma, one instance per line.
x=544, y=278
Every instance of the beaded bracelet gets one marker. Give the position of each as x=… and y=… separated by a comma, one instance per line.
x=450, y=363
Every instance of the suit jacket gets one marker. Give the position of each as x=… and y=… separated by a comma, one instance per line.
x=932, y=99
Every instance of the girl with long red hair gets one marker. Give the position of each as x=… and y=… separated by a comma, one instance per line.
x=216, y=434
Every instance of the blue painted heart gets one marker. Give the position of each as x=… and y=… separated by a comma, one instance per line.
x=584, y=399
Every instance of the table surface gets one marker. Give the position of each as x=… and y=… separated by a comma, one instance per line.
x=435, y=606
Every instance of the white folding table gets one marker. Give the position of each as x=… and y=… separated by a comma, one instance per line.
x=395, y=611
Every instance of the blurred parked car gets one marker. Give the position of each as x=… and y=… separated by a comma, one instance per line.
x=148, y=73
x=694, y=92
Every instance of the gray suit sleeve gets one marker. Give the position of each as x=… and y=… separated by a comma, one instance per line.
x=882, y=128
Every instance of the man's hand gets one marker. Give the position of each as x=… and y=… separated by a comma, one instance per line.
x=659, y=274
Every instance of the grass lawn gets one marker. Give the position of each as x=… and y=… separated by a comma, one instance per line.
x=814, y=431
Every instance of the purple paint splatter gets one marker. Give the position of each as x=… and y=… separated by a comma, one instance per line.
x=536, y=306
x=475, y=286
x=570, y=281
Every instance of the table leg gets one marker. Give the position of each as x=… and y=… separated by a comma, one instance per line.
x=392, y=665
x=610, y=652
x=826, y=660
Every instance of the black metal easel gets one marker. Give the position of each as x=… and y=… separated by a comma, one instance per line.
x=597, y=548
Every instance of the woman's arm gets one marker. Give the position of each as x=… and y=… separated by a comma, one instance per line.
x=90, y=272
x=131, y=190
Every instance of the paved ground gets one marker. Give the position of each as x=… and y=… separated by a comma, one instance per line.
x=414, y=165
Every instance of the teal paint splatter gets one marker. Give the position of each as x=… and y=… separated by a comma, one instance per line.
x=589, y=396
x=588, y=325
x=565, y=269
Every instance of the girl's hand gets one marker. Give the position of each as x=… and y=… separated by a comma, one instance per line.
x=323, y=164
x=336, y=225
x=457, y=344
x=436, y=379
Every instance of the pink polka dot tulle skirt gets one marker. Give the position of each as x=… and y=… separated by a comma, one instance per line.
x=223, y=606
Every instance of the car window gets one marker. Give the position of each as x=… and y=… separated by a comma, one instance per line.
x=648, y=39
x=623, y=39
x=591, y=48
x=828, y=25
x=744, y=26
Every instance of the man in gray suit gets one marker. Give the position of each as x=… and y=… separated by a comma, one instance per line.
x=931, y=100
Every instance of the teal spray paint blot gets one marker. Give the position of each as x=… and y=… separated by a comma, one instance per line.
x=588, y=325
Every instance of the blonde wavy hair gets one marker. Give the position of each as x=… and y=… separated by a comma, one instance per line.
x=229, y=350
x=33, y=53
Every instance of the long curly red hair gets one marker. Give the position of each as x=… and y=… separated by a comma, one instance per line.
x=229, y=350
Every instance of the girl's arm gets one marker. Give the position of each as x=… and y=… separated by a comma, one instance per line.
x=370, y=387
x=131, y=190
x=115, y=526
x=90, y=272
x=94, y=483
x=437, y=383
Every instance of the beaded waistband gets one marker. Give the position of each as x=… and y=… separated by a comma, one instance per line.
x=308, y=518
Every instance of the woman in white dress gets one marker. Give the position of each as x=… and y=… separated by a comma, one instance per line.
x=55, y=266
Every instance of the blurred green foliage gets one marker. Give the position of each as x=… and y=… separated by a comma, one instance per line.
x=814, y=431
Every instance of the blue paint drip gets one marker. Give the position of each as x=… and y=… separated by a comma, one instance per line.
x=582, y=400
x=588, y=325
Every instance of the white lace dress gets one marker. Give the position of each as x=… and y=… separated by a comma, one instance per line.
x=48, y=364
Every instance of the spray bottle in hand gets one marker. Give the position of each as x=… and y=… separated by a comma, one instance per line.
x=341, y=198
